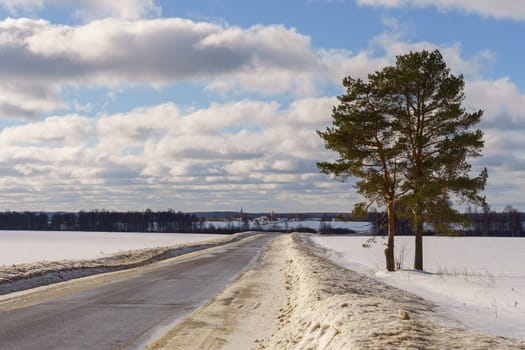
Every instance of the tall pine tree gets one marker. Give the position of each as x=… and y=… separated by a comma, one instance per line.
x=405, y=135
x=438, y=139
x=364, y=136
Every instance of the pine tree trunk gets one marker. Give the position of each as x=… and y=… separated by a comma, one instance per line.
x=389, y=251
x=418, y=257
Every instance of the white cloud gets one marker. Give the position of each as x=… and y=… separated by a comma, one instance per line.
x=66, y=131
x=162, y=51
x=252, y=145
x=393, y=45
x=310, y=112
x=89, y=9
x=229, y=148
x=26, y=5
x=503, y=123
x=267, y=60
x=113, y=51
x=501, y=101
x=126, y=9
x=502, y=9
x=230, y=151
x=122, y=131
x=25, y=100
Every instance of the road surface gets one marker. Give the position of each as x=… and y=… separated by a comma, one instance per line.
x=128, y=314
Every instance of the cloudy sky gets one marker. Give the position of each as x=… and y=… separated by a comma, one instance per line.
x=213, y=105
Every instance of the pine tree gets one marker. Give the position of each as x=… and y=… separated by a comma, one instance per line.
x=406, y=137
x=438, y=139
x=364, y=136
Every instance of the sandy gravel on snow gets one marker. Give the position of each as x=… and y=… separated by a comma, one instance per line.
x=241, y=316
x=298, y=299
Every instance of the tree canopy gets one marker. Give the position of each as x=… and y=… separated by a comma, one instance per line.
x=405, y=134
x=364, y=135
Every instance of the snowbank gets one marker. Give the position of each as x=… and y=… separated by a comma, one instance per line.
x=479, y=281
x=330, y=307
x=25, y=276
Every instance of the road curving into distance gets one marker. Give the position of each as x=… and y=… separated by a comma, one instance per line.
x=129, y=313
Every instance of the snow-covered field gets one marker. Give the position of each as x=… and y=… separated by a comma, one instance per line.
x=17, y=247
x=317, y=304
x=479, y=281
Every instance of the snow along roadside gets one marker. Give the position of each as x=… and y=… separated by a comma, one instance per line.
x=241, y=316
x=330, y=307
x=20, y=277
x=297, y=299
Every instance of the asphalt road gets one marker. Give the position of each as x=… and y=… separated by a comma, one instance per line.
x=130, y=313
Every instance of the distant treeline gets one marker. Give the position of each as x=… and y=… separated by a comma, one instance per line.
x=487, y=223
x=147, y=221
x=508, y=223
x=133, y=221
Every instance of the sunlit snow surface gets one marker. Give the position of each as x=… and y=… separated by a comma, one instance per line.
x=18, y=247
x=477, y=280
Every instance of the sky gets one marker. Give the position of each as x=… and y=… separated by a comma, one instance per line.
x=214, y=105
